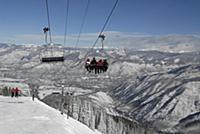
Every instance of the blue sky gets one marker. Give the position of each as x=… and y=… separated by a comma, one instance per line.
x=21, y=21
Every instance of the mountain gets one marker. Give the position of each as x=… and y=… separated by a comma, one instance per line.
x=169, y=100
x=145, y=90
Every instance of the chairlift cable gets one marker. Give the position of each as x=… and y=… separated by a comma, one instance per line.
x=66, y=26
x=48, y=18
x=83, y=22
x=49, y=26
x=65, y=32
x=66, y=23
x=104, y=26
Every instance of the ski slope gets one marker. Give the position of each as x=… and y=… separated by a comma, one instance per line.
x=24, y=116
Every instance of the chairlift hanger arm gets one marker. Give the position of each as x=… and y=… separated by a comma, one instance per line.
x=48, y=18
x=104, y=26
x=66, y=23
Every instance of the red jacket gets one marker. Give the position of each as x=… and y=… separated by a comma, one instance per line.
x=17, y=90
x=12, y=90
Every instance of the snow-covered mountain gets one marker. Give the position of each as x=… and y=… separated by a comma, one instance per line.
x=169, y=100
x=154, y=89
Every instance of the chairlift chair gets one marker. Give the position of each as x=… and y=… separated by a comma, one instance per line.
x=101, y=64
x=48, y=55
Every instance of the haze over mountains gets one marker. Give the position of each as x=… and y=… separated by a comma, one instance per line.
x=115, y=39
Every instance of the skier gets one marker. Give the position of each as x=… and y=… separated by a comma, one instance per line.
x=87, y=65
x=105, y=65
x=12, y=92
x=17, y=92
x=93, y=64
x=34, y=93
x=99, y=66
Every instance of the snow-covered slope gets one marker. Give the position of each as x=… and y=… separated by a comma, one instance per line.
x=24, y=116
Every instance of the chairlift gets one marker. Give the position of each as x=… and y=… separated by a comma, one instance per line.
x=49, y=56
x=94, y=65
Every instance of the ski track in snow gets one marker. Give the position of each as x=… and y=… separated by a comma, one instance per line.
x=24, y=116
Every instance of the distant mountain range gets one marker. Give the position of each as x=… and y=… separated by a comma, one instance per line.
x=165, y=43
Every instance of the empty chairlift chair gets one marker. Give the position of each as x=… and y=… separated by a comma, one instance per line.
x=50, y=58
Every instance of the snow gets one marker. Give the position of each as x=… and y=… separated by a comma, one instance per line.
x=2, y=49
x=14, y=56
x=135, y=57
x=11, y=80
x=102, y=98
x=188, y=98
x=47, y=90
x=30, y=45
x=120, y=52
x=24, y=116
x=126, y=68
x=177, y=60
x=30, y=64
x=44, y=93
x=4, y=69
